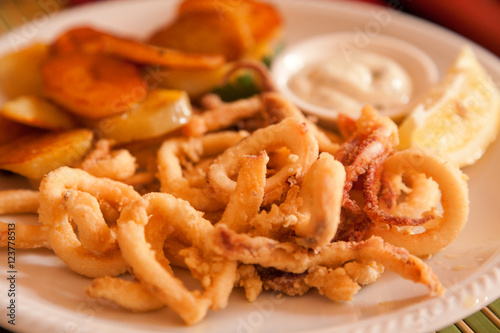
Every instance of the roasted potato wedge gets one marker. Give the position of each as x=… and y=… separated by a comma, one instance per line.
x=161, y=112
x=36, y=155
x=37, y=112
x=20, y=71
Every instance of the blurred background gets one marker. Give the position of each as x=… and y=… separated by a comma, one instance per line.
x=478, y=20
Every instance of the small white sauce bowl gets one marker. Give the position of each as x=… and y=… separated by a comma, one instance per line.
x=421, y=68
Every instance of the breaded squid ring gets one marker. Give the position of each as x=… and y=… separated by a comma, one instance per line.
x=27, y=236
x=170, y=170
x=321, y=192
x=421, y=195
x=290, y=133
x=53, y=213
x=222, y=116
x=441, y=231
x=174, y=215
x=19, y=202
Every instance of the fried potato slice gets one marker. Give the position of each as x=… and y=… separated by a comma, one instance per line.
x=262, y=18
x=161, y=112
x=11, y=130
x=206, y=32
x=92, y=86
x=91, y=41
x=35, y=111
x=35, y=155
x=19, y=71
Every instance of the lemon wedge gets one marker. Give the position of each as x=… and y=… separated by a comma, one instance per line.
x=459, y=117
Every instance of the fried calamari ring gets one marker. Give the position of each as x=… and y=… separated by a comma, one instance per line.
x=290, y=133
x=53, y=213
x=321, y=192
x=27, y=236
x=420, y=193
x=175, y=215
x=313, y=211
x=92, y=86
x=91, y=41
x=131, y=295
x=441, y=231
x=170, y=169
x=247, y=198
x=112, y=164
x=19, y=201
x=293, y=258
x=222, y=116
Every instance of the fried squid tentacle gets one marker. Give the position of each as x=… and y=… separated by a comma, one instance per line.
x=290, y=257
x=374, y=139
x=131, y=295
x=245, y=203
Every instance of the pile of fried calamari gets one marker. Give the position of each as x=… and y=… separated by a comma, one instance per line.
x=249, y=194
x=131, y=180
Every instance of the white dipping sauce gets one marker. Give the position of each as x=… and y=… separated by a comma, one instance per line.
x=347, y=84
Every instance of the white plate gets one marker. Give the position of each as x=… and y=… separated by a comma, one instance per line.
x=51, y=298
